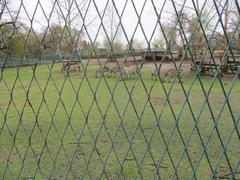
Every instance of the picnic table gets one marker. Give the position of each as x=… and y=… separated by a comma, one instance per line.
x=209, y=68
x=67, y=64
x=232, y=66
x=206, y=68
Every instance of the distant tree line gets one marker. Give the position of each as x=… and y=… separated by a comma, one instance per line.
x=19, y=40
x=183, y=31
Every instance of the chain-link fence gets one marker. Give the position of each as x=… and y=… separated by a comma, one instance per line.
x=132, y=89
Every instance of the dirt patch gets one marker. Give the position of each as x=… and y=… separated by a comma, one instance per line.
x=158, y=101
x=228, y=77
x=224, y=173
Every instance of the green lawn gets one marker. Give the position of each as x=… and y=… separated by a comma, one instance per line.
x=86, y=127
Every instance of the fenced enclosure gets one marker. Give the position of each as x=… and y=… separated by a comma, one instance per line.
x=107, y=89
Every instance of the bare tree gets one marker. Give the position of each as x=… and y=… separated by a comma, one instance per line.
x=68, y=17
x=7, y=27
x=111, y=23
x=3, y=4
x=113, y=32
x=231, y=20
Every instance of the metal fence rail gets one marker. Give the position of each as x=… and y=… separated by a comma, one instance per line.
x=145, y=89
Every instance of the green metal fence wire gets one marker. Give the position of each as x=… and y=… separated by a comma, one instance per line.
x=140, y=118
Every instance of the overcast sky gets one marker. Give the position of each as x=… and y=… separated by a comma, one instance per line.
x=40, y=11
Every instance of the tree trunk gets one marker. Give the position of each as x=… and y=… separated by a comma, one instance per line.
x=225, y=59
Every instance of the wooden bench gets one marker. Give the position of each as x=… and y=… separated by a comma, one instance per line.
x=206, y=68
x=209, y=68
x=232, y=66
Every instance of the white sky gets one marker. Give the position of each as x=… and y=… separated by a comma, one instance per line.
x=31, y=9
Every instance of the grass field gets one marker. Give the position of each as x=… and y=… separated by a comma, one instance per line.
x=58, y=127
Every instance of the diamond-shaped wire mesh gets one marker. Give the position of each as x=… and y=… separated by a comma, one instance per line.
x=132, y=89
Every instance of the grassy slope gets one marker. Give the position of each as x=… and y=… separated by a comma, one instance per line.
x=99, y=135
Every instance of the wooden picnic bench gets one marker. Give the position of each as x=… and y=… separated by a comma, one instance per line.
x=209, y=68
x=205, y=68
x=232, y=66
